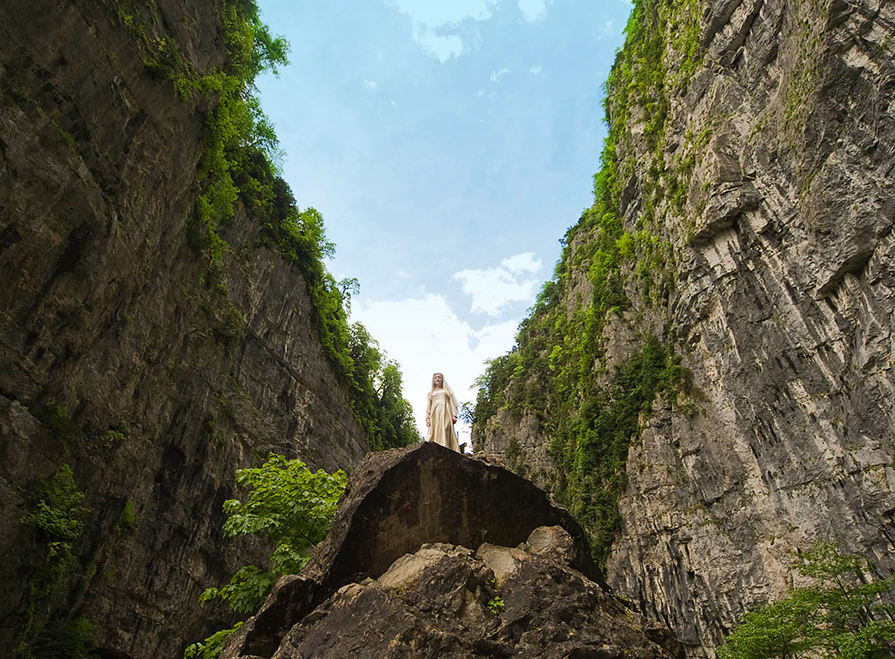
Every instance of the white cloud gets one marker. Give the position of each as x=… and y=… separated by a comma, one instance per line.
x=534, y=10
x=535, y=70
x=371, y=85
x=495, y=289
x=439, y=47
x=496, y=75
x=425, y=336
x=431, y=18
x=437, y=12
x=522, y=263
x=606, y=30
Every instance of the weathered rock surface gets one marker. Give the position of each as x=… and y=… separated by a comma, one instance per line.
x=784, y=260
x=105, y=310
x=405, y=573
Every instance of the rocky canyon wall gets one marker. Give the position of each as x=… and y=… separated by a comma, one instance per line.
x=124, y=355
x=750, y=167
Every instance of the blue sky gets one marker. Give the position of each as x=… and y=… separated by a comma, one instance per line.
x=448, y=144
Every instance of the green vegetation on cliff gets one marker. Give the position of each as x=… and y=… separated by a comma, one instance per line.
x=841, y=615
x=591, y=409
x=237, y=173
x=290, y=506
x=55, y=518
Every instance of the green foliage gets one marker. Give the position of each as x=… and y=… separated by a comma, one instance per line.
x=227, y=330
x=239, y=144
x=591, y=448
x=396, y=424
x=212, y=646
x=61, y=426
x=385, y=416
x=491, y=387
x=62, y=639
x=496, y=605
x=292, y=507
x=55, y=512
x=127, y=521
x=842, y=614
x=238, y=168
x=246, y=590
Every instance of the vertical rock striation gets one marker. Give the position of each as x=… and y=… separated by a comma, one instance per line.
x=120, y=353
x=762, y=162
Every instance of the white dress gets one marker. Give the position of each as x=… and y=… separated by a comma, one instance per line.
x=440, y=410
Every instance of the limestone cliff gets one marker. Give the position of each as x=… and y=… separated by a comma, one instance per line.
x=735, y=279
x=122, y=354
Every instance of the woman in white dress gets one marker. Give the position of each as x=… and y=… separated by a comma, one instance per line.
x=441, y=414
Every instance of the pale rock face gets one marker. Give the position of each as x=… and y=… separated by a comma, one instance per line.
x=783, y=311
x=502, y=561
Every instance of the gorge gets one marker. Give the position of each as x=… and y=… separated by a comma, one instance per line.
x=706, y=383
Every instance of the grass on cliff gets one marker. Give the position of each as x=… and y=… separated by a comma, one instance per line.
x=237, y=171
x=557, y=373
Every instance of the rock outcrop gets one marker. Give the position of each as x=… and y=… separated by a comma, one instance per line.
x=406, y=572
x=121, y=352
x=762, y=161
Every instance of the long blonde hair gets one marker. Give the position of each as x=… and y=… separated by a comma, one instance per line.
x=452, y=402
x=444, y=386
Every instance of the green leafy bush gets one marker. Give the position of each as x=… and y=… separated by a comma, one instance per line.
x=212, y=646
x=293, y=508
x=842, y=615
x=56, y=515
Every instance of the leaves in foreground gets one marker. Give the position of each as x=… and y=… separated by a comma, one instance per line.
x=291, y=506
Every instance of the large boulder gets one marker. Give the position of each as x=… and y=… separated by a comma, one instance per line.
x=397, y=502
x=445, y=601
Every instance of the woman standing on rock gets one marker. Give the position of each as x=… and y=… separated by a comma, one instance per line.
x=441, y=414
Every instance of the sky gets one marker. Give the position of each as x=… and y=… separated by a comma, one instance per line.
x=449, y=145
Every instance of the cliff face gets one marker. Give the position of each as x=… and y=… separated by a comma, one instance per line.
x=752, y=180
x=123, y=354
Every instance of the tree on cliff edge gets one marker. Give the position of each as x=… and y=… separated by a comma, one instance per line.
x=843, y=614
